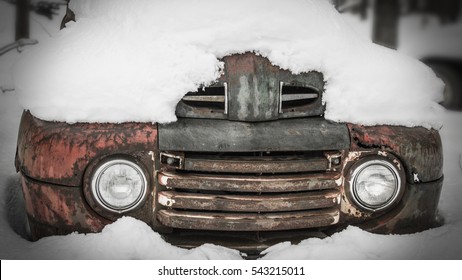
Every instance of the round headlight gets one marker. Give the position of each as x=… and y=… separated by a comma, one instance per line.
x=119, y=185
x=375, y=184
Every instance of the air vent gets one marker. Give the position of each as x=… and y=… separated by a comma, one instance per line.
x=214, y=97
x=294, y=96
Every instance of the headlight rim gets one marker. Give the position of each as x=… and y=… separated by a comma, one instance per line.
x=91, y=196
x=391, y=163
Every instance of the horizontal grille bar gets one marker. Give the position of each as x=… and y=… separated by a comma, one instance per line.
x=204, y=98
x=247, y=222
x=256, y=165
x=250, y=203
x=300, y=96
x=281, y=183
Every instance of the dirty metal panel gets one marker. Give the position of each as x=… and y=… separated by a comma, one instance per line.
x=250, y=203
x=254, y=88
x=199, y=135
x=419, y=149
x=256, y=166
x=254, y=92
x=287, y=183
x=248, y=222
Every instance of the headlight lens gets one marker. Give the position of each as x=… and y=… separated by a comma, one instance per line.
x=375, y=184
x=119, y=185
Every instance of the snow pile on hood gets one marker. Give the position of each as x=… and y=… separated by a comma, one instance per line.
x=133, y=60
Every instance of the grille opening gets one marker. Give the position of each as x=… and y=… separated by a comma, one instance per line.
x=254, y=163
x=257, y=155
x=213, y=97
x=256, y=175
x=243, y=194
x=293, y=96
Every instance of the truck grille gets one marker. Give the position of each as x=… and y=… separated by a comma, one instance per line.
x=296, y=98
x=213, y=193
x=252, y=89
x=213, y=98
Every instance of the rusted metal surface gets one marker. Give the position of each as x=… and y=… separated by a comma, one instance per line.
x=62, y=208
x=202, y=135
x=257, y=165
x=280, y=183
x=248, y=222
x=351, y=212
x=254, y=88
x=58, y=152
x=250, y=203
x=417, y=211
x=419, y=149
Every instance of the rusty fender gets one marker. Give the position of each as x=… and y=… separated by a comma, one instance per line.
x=56, y=159
x=419, y=149
x=59, y=153
x=420, y=152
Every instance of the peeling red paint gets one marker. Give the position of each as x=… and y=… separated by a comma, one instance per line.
x=61, y=207
x=59, y=153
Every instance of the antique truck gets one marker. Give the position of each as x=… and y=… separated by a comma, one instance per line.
x=250, y=161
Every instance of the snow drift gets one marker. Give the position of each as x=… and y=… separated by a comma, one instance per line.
x=133, y=60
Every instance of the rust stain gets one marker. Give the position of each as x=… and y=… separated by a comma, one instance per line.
x=59, y=152
x=416, y=147
x=60, y=207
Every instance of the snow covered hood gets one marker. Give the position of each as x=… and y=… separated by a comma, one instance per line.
x=133, y=60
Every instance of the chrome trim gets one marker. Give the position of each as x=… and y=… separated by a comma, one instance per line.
x=225, y=84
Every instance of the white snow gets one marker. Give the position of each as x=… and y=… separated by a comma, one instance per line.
x=131, y=239
x=127, y=60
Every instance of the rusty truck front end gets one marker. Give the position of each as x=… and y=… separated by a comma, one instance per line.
x=251, y=159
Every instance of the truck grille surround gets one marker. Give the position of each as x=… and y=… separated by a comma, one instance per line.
x=251, y=152
x=260, y=193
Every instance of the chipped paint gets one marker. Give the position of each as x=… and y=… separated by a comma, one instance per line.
x=153, y=156
x=165, y=201
x=416, y=177
x=353, y=155
x=397, y=164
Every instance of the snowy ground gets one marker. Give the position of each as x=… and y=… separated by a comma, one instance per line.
x=135, y=240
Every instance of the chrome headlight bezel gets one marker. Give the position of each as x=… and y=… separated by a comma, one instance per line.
x=391, y=165
x=98, y=199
